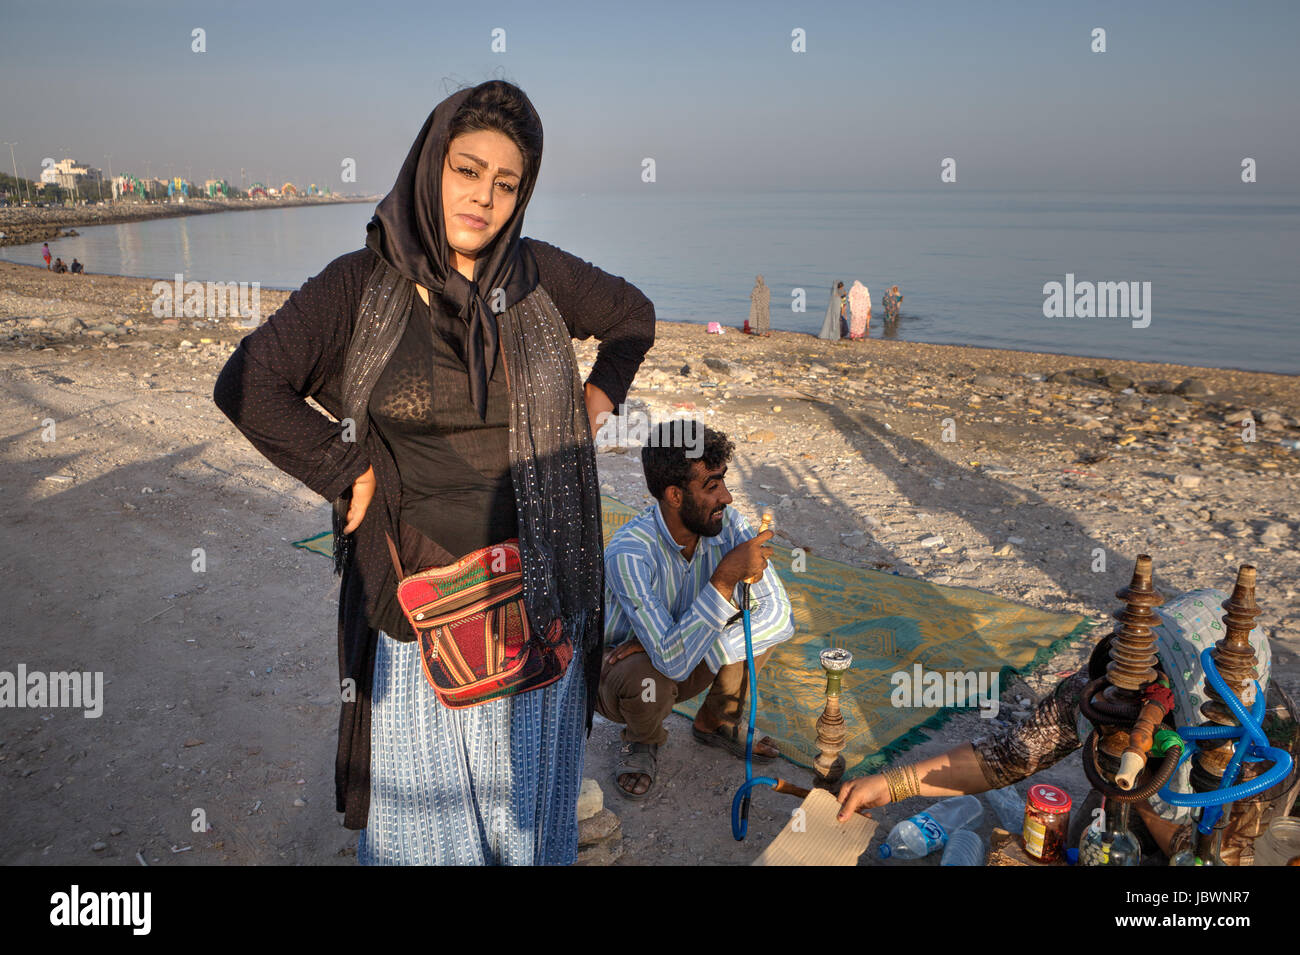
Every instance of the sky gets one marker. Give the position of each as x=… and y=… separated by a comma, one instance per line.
x=712, y=92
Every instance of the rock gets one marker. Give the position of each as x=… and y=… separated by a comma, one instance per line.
x=1275, y=530
x=1271, y=420
x=591, y=799
x=300, y=802
x=1187, y=480
x=115, y=831
x=721, y=366
x=1087, y=374
x=603, y=825
x=686, y=369
x=762, y=435
x=601, y=854
x=1117, y=382
x=932, y=541
x=1169, y=403
x=1159, y=386
x=1015, y=540
x=99, y=847
x=1236, y=417
x=1192, y=388
x=1128, y=404
x=990, y=381
x=67, y=325
x=1059, y=378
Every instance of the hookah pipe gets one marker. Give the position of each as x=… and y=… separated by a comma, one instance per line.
x=1228, y=723
x=1129, y=703
x=740, y=803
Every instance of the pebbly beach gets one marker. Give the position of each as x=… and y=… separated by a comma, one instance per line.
x=1002, y=471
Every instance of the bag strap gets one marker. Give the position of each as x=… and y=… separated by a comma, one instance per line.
x=392, y=552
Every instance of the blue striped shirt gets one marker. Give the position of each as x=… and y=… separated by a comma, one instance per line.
x=653, y=593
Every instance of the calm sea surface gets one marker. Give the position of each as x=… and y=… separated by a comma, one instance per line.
x=1224, y=269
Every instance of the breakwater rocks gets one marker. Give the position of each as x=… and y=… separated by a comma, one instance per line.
x=22, y=225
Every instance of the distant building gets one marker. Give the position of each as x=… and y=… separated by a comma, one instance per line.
x=67, y=174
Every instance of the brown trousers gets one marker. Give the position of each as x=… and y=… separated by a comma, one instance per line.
x=634, y=693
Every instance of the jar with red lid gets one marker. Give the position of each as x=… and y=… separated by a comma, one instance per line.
x=1047, y=817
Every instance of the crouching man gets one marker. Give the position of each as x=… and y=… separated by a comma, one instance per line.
x=672, y=606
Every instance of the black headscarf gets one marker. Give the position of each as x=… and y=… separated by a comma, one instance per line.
x=407, y=231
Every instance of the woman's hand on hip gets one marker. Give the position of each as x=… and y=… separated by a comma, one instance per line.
x=363, y=490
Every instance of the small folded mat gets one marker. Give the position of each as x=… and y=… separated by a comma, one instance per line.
x=890, y=624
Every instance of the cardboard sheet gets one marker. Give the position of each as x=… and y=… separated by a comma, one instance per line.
x=813, y=837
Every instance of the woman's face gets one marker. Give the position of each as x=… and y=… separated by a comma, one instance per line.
x=480, y=183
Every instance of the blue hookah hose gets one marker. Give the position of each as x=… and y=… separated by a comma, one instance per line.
x=1252, y=745
x=740, y=804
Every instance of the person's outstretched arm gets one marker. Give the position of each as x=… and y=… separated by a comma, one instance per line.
x=999, y=759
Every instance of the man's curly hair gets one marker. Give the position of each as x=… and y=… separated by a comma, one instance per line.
x=677, y=444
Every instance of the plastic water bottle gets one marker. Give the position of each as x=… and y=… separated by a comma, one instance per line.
x=964, y=848
x=1010, y=807
x=927, y=831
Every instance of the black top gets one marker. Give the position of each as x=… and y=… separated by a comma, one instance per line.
x=455, y=467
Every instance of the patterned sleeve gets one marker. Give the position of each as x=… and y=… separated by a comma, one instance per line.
x=1036, y=742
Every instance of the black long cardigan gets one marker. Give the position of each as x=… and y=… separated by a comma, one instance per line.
x=298, y=352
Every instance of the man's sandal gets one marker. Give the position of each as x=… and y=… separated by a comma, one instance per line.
x=637, y=759
x=733, y=741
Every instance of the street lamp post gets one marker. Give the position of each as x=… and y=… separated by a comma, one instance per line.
x=15, y=162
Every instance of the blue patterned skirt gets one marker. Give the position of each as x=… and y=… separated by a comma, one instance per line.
x=495, y=784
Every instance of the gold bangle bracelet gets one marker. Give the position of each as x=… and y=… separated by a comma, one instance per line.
x=903, y=783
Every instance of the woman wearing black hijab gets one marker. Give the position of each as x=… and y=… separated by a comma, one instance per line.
x=444, y=350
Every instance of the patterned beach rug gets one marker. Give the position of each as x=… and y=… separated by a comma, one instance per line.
x=904, y=634
x=932, y=649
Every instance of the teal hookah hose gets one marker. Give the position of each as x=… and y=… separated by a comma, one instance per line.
x=1252, y=746
x=740, y=804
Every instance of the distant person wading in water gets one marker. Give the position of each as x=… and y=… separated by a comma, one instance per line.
x=859, y=311
x=759, y=312
x=892, y=299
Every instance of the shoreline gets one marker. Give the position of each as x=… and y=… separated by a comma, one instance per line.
x=1056, y=360
x=27, y=225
